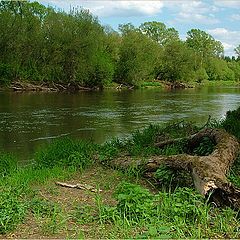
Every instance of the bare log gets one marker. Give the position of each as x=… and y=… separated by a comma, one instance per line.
x=209, y=172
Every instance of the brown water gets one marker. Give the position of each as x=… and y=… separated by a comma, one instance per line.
x=28, y=120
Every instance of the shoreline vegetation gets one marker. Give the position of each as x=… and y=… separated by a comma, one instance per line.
x=112, y=203
x=69, y=51
x=75, y=87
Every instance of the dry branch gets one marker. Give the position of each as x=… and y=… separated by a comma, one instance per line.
x=79, y=186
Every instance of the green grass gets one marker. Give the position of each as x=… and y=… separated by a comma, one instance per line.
x=12, y=209
x=128, y=207
x=66, y=152
x=147, y=84
x=8, y=164
x=218, y=83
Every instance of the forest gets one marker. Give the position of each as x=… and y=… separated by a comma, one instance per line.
x=40, y=44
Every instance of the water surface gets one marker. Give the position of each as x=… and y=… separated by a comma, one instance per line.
x=28, y=120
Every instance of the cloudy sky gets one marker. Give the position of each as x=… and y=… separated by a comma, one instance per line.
x=220, y=18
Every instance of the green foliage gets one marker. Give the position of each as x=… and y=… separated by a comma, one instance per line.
x=73, y=47
x=201, y=75
x=177, y=63
x=234, y=176
x=170, y=179
x=52, y=45
x=110, y=149
x=205, y=147
x=83, y=214
x=8, y=163
x=137, y=57
x=217, y=69
x=232, y=122
x=66, y=152
x=158, y=32
x=42, y=208
x=235, y=67
x=12, y=210
x=134, y=202
x=204, y=43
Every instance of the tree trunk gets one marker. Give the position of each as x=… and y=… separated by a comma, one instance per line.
x=209, y=172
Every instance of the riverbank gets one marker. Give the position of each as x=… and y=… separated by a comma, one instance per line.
x=23, y=86
x=113, y=204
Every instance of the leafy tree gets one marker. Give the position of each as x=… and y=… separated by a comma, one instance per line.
x=201, y=75
x=177, y=63
x=126, y=28
x=217, y=69
x=138, y=56
x=237, y=50
x=204, y=44
x=159, y=32
x=235, y=67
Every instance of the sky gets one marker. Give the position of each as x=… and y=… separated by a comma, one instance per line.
x=220, y=18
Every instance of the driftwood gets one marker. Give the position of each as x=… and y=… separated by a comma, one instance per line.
x=209, y=173
x=47, y=87
x=79, y=186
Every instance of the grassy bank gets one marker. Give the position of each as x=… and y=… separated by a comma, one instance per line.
x=219, y=83
x=128, y=206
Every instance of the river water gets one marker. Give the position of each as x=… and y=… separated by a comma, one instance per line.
x=28, y=120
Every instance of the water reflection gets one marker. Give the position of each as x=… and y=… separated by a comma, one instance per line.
x=30, y=119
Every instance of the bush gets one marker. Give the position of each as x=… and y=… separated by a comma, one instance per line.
x=134, y=202
x=201, y=75
x=232, y=122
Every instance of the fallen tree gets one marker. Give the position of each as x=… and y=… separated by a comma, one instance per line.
x=209, y=172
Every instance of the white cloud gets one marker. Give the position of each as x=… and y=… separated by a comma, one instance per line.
x=235, y=17
x=228, y=3
x=196, y=18
x=229, y=39
x=114, y=8
x=193, y=12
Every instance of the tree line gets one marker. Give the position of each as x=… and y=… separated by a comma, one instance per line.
x=42, y=44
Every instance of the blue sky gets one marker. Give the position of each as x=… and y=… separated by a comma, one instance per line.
x=220, y=18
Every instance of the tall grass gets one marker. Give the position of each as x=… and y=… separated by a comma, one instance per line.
x=8, y=164
x=66, y=152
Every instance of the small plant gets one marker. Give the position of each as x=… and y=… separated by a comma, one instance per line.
x=170, y=178
x=232, y=122
x=84, y=214
x=42, y=208
x=110, y=149
x=205, y=147
x=12, y=210
x=234, y=176
x=134, y=202
x=8, y=163
x=66, y=152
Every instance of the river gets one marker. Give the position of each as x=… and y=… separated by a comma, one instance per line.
x=28, y=120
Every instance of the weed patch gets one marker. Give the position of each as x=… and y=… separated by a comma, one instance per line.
x=12, y=210
x=67, y=153
x=8, y=164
